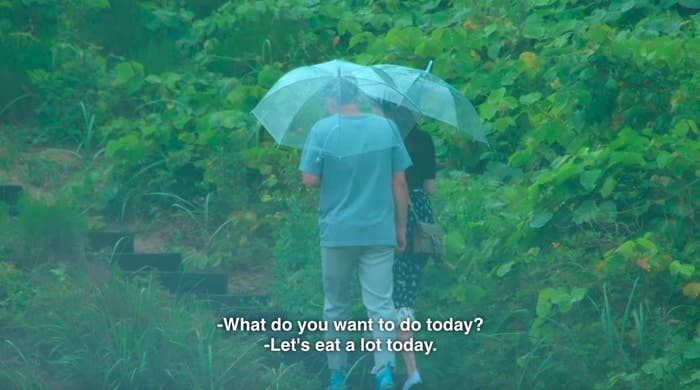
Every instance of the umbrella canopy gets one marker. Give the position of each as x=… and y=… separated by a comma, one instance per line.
x=309, y=95
x=434, y=98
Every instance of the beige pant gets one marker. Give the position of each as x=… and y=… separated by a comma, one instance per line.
x=375, y=268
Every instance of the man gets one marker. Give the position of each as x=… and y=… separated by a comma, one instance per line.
x=359, y=161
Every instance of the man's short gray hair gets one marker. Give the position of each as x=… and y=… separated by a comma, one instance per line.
x=343, y=91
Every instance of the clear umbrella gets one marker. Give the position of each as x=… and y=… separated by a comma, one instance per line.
x=434, y=98
x=309, y=95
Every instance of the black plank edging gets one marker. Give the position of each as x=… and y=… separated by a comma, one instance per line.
x=225, y=302
x=191, y=282
x=10, y=193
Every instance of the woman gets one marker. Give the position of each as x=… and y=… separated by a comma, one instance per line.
x=408, y=265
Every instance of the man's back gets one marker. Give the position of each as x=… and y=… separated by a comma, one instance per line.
x=356, y=207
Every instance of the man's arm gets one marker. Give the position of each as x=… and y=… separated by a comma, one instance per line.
x=400, y=193
x=310, y=180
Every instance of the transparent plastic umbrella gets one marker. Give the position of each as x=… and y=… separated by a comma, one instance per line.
x=435, y=98
x=307, y=95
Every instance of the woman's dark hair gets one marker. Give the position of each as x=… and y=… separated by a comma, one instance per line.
x=403, y=117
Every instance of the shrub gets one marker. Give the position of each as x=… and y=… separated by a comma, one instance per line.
x=47, y=230
x=88, y=328
x=297, y=261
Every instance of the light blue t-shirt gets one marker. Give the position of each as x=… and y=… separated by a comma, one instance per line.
x=355, y=156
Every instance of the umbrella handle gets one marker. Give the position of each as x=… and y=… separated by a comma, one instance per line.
x=429, y=67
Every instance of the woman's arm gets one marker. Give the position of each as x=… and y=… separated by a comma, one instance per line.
x=429, y=186
x=399, y=190
x=429, y=181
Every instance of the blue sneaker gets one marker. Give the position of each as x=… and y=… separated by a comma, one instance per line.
x=337, y=380
x=385, y=378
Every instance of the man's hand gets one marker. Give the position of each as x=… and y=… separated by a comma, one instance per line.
x=399, y=190
x=400, y=239
x=309, y=180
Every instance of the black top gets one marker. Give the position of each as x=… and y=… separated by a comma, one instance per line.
x=420, y=148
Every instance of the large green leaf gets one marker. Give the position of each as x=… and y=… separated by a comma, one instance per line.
x=541, y=219
x=468, y=293
x=541, y=3
x=534, y=27
x=530, y=98
x=588, y=179
x=586, y=212
x=694, y=4
x=608, y=187
x=454, y=244
x=503, y=269
x=627, y=158
x=684, y=270
x=129, y=75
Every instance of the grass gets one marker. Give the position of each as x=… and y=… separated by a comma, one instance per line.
x=199, y=215
x=87, y=327
x=47, y=229
x=89, y=124
x=204, y=232
x=13, y=102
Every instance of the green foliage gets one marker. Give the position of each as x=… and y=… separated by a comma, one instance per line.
x=297, y=261
x=574, y=234
x=550, y=300
x=210, y=252
x=46, y=231
x=63, y=93
x=13, y=290
x=97, y=330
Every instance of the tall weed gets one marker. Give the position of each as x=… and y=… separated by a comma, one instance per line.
x=89, y=328
x=46, y=230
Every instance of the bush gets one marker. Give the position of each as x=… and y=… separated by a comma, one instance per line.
x=579, y=245
x=47, y=230
x=88, y=328
x=298, y=261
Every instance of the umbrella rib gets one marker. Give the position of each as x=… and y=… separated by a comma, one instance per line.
x=412, y=105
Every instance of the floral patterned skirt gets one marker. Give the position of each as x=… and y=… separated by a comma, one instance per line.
x=408, y=266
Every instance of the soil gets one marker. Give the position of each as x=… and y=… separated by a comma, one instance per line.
x=42, y=171
x=257, y=280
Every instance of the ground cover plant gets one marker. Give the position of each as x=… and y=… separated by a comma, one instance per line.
x=78, y=326
x=574, y=234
